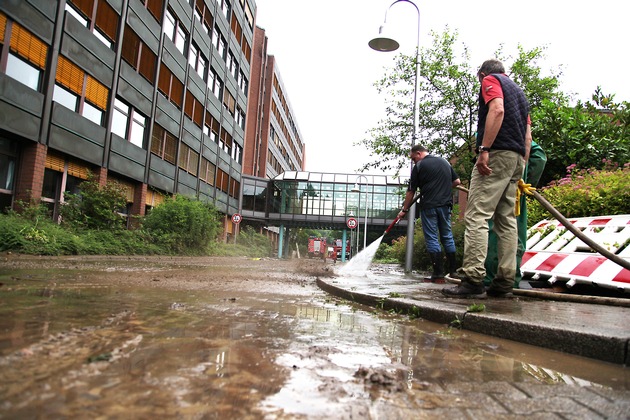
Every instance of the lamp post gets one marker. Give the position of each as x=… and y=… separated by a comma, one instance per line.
x=385, y=44
x=357, y=189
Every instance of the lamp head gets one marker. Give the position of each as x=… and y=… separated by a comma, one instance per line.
x=383, y=42
x=355, y=188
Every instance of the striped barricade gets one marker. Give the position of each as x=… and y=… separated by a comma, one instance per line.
x=556, y=254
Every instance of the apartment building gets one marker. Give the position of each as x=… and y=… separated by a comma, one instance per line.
x=151, y=93
x=274, y=143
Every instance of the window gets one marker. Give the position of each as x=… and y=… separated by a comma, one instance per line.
x=202, y=13
x=193, y=108
x=219, y=42
x=8, y=160
x=188, y=159
x=249, y=16
x=98, y=16
x=229, y=103
x=243, y=84
x=215, y=84
x=79, y=91
x=163, y=144
x=235, y=187
x=237, y=153
x=232, y=65
x=240, y=117
x=170, y=86
x=154, y=7
x=225, y=8
x=236, y=28
x=175, y=31
x=138, y=55
x=207, y=170
x=198, y=61
x=211, y=128
x=128, y=123
x=26, y=60
x=225, y=143
x=223, y=180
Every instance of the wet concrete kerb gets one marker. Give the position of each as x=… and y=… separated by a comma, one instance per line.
x=587, y=327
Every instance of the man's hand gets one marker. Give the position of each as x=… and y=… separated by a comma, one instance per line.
x=482, y=164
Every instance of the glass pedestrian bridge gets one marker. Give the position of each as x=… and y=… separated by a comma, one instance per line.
x=323, y=201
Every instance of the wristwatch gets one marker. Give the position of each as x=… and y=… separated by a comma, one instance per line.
x=483, y=149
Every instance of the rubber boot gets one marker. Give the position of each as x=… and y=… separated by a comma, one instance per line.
x=451, y=259
x=438, y=268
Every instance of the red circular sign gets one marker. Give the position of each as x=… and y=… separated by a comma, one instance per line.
x=352, y=223
x=236, y=218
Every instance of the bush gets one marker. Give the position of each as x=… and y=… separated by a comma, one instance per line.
x=95, y=206
x=183, y=225
x=584, y=193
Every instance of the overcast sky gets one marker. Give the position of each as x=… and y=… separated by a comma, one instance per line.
x=328, y=70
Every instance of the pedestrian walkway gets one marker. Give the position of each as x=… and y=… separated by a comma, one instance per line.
x=588, y=326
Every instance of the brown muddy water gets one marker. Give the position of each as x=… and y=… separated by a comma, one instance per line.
x=161, y=337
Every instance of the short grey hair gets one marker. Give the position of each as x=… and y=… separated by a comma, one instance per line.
x=491, y=66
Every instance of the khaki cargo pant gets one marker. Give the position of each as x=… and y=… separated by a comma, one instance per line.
x=493, y=197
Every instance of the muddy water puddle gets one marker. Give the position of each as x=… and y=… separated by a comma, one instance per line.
x=256, y=339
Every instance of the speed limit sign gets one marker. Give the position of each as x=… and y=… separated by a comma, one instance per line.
x=236, y=218
x=352, y=223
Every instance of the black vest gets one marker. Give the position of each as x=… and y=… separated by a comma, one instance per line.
x=511, y=135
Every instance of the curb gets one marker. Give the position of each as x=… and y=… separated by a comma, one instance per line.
x=586, y=341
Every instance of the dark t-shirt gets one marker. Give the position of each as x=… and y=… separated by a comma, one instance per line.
x=434, y=176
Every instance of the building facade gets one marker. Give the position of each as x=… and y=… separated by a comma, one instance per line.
x=274, y=143
x=150, y=93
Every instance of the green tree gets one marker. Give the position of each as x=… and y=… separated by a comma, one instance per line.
x=448, y=92
x=588, y=135
x=446, y=99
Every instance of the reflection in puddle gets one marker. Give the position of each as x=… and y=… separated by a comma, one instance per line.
x=80, y=346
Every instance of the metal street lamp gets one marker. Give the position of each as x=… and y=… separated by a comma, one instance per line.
x=356, y=189
x=386, y=44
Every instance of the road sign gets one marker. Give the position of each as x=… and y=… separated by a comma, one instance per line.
x=352, y=223
x=236, y=218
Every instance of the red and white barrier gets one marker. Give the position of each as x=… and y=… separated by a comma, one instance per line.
x=554, y=252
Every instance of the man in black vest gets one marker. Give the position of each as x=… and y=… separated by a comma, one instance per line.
x=503, y=142
x=435, y=178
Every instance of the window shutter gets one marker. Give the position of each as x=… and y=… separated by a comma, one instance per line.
x=96, y=93
x=55, y=163
x=85, y=6
x=107, y=20
x=69, y=75
x=29, y=47
x=3, y=27
x=77, y=170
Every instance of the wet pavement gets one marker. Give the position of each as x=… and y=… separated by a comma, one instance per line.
x=590, y=326
x=149, y=337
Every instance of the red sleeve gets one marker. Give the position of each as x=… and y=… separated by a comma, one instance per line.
x=490, y=89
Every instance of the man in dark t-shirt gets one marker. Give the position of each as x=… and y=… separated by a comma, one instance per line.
x=435, y=178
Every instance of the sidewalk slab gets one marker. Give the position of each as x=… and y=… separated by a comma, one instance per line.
x=598, y=331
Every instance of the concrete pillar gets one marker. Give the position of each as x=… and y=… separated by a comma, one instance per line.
x=280, y=241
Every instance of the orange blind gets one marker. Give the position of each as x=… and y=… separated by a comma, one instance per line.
x=78, y=170
x=29, y=47
x=3, y=26
x=153, y=198
x=55, y=163
x=96, y=93
x=127, y=187
x=69, y=75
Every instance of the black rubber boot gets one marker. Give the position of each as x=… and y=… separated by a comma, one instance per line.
x=451, y=259
x=438, y=268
